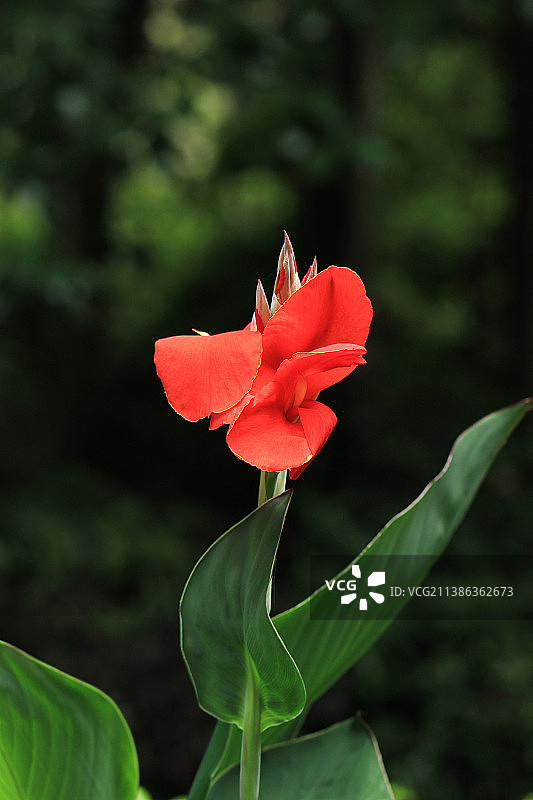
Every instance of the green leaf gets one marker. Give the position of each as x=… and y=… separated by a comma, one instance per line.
x=227, y=637
x=60, y=738
x=324, y=650
x=225, y=741
x=340, y=763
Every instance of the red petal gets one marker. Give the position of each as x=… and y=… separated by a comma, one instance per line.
x=263, y=378
x=262, y=435
x=317, y=422
x=331, y=308
x=206, y=374
x=321, y=368
x=228, y=417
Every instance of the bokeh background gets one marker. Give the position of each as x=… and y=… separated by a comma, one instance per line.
x=151, y=154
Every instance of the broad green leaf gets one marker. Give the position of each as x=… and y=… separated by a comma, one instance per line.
x=324, y=650
x=228, y=639
x=60, y=739
x=223, y=750
x=340, y=763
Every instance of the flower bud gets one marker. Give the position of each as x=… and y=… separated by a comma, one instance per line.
x=311, y=272
x=262, y=311
x=287, y=280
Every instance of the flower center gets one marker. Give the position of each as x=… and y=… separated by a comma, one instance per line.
x=300, y=391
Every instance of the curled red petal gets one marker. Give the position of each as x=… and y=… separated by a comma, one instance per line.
x=321, y=368
x=317, y=422
x=228, y=417
x=263, y=378
x=202, y=375
x=263, y=436
x=331, y=308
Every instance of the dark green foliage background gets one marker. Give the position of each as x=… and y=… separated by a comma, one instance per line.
x=151, y=154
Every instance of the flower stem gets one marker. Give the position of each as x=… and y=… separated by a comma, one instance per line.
x=270, y=485
x=251, y=741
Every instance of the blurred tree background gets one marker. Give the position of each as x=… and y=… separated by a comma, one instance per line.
x=152, y=151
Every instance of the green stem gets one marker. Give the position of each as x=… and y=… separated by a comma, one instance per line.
x=251, y=741
x=270, y=485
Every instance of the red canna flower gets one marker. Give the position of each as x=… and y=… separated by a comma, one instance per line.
x=264, y=381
